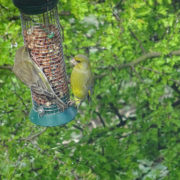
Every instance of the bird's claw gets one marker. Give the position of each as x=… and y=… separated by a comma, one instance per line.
x=71, y=103
x=61, y=107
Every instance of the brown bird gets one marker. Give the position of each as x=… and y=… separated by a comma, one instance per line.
x=32, y=76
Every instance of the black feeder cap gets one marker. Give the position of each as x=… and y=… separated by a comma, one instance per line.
x=35, y=6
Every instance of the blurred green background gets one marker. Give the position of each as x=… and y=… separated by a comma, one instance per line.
x=131, y=129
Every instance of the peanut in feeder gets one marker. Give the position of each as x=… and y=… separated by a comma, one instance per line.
x=43, y=53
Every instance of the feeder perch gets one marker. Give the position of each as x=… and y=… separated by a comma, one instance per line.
x=42, y=36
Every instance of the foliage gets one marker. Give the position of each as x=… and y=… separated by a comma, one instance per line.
x=130, y=130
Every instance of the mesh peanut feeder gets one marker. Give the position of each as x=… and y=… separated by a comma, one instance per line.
x=42, y=37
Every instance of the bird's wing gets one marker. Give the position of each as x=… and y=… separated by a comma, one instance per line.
x=81, y=81
x=89, y=85
x=32, y=76
x=89, y=79
x=42, y=83
x=20, y=68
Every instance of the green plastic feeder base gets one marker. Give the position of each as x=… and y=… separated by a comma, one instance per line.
x=54, y=119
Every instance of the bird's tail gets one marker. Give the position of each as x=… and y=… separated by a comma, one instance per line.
x=89, y=96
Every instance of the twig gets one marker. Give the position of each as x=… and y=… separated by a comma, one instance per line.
x=138, y=40
x=17, y=163
x=116, y=111
x=116, y=16
x=176, y=89
x=6, y=67
x=15, y=18
x=65, y=13
x=118, y=114
x=155, y=71
x=99, y=76
x=100, y=118
x=147, y=56
x=149, y=69
x=100, y=134
x=29, y=138
x=137, y=74
x=21, y=99
x=79, y=128
x=176, y=103
x=143, y=175
x=3, y=7
x=175, y=53
x=140, y=59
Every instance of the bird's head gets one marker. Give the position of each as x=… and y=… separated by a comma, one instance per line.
x=80, y=59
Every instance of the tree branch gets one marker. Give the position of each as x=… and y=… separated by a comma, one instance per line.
x=15, y=18
x=161, y=73
x=65, y=13
x=30, y=138
x=100, y=118
x=176, y=89
x=176, y=103
x=118, y=115
x=138, y=40
x=6, y=67
x=148, y=56
x=140, y=59
x=20, y=98
x=103, y=133
x=3, y=7
x=77, y=127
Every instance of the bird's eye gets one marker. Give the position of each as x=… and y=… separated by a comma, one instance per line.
x=77, y=61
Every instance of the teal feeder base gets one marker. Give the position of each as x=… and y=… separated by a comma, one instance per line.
x=53, y=119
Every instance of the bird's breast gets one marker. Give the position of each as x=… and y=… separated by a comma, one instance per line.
x=79, y=78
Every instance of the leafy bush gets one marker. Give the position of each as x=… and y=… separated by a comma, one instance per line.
x=130, y=130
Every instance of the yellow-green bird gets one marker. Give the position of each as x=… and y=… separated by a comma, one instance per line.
x=81, y=78
x=32, y=75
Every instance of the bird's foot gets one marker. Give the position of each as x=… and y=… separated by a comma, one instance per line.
x=61, y=107
x=71, y=103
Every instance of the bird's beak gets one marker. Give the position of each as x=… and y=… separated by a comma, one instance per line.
x=73, y=62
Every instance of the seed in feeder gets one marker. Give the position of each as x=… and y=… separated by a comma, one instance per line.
x=48, y=103
x=29, y=31
x=33, y=37
x=51, y=50
x=61, y=93
x=30, y=46
x=41, y=43
x=57, y=47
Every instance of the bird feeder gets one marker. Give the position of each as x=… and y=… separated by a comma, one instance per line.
x=42, y=36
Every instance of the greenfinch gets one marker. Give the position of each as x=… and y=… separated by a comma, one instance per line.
x=32, y=76
x=81, y=78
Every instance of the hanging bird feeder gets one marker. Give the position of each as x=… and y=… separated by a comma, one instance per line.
x=42, y=37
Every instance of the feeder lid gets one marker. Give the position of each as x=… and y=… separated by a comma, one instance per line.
x=34, y=6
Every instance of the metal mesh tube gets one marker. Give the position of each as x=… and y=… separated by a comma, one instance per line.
x=42, y=36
